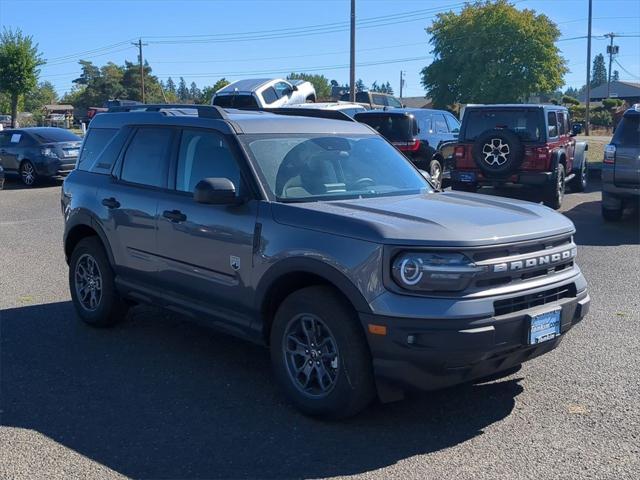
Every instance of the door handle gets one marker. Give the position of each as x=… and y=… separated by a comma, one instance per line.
x=174, y=215
x=110, y=202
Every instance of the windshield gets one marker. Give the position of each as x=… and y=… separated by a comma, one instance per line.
x=301, y=168
x=397, y=128
x=237, y=101
x=527, y=124
x=55, y=135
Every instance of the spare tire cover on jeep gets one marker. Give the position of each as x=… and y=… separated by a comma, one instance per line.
x=498, y=152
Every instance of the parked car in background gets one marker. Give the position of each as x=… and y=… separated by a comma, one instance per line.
x=621, y=166
x=523, y=144
x=347, y=108
x=5, y=121
x=425, y=136
x=374, y=100
x=264, y=93
x=33, y=153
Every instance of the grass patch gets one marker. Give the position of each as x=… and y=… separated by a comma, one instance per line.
x=595, y=154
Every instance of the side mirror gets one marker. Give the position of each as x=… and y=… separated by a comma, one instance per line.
x=294, y=88
x=576, y=129
x=215, y=191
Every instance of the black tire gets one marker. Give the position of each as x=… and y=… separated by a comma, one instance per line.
x=612, y=214
x=436, y=171
x=498, y=153
x=310, y=99
x=352, y=387
x=464, y=187
x=581, y=180
x=28, y=174
x=554, y=192
x=110, y=308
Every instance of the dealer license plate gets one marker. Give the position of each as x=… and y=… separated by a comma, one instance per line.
x=544, y=326
x=467, y=177
x=72, y=153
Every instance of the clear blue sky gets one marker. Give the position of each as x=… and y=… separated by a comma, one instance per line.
x=67, y=30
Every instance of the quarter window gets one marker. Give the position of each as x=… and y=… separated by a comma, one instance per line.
x=393, y=102
x=440, y=124
x=204, y=154
x=552, y=125
x=269, y=95
x=453, y=123
x=379, y=99
x=562, y=123
x=94, y=143
x=146, y=159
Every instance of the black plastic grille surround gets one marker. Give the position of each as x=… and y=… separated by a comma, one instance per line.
x=524, y=302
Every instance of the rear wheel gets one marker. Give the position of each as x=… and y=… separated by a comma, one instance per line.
x=555, y=191
x=580, y=181
x=28, y=173
x=320, y=355
x=91, y=281
x=435, y=171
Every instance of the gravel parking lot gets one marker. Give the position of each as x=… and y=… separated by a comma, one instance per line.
x=157, y=397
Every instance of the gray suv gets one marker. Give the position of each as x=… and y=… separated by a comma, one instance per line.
x=621, y=166
x=317, y=238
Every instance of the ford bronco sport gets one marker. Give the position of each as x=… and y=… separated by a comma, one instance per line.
x=318, y=238
x=520, y=144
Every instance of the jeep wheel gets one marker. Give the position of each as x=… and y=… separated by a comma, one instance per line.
x=498, y=152
x=320, y=355
x=28, y=174
x=92, y=286
x=580, y=181
x=612, y=214
x=555, y=190
x=435, y=171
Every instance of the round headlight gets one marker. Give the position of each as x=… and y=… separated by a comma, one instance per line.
x=434, y=271
x=411, y=270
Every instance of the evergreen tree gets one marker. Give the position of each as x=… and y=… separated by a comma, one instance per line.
x=195, y=93
x=599, y=71
x=615, y=76
x=388, y=89
x=183, y=91
x=171, y=86
x=360, y=86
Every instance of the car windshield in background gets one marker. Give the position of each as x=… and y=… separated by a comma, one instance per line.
x=526, y=124
x=55, y=135
x=301, y=168
x=628, y=131
x=235, y=101
x=397, y=128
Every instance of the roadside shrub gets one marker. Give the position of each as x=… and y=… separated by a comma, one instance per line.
x=601, y=118
x=577, y=112
x=568, y=100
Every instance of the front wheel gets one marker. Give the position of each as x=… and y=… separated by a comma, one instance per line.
x=555, y=191
x=320, y=355
x=91, y=281
x=435, y=171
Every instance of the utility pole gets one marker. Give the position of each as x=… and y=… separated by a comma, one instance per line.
x=586, y=111
x=352, y=62
x=611, y=50
x=139, y=44
x=401, y=82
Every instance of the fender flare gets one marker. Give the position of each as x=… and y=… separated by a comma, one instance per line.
x=84, y=218
x=315, y=267
x=555, y=159
x=579, y=155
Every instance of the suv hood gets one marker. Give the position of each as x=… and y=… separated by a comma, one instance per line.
x=451, y=219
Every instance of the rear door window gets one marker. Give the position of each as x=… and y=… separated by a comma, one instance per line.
x=269, y=95
x=378, y=99
x=439, y=123
x=393, y=102
x=147, y=157
x=94, y=143
x=362, y=97
x=235, y=101
x=453, y=123
x=628, y=132
x=393, y=127
x=562, y=123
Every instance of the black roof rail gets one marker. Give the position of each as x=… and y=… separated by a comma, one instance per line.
x=204, y=111
x=309, y=112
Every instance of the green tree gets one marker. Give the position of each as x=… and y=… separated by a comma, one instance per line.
x=387, y=88
x=572, y=92
x=360, y=86
x=43, y=94
x=19, y=62
x=171, y=86
x=599, y=71
x=615, y=76
x=182, y=91
x=207, y=92
x=195, y=93
x=508, y=55
x=319, y=82
x=569, y=100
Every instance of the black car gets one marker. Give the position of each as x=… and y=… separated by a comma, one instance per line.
x=425, y=136
x=38, y=152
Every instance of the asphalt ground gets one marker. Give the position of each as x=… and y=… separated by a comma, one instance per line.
x=156, y=397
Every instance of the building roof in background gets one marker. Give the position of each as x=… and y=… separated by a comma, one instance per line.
x=417, y=102
x=618, y=90
x=58, y=108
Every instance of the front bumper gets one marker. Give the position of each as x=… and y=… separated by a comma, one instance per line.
x=434, y=353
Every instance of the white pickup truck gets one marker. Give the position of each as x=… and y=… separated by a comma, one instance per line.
x=264, y=93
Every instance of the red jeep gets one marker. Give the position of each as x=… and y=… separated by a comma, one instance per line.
x=520, y=144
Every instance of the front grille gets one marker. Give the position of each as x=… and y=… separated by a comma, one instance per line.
x=524, y=302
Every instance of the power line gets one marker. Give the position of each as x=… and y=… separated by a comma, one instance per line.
x=625, y=70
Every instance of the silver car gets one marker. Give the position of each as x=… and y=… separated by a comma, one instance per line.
x=264, y=93
x=621, y=166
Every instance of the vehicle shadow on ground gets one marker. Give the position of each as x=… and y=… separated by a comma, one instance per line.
x=156, y=397
x=591, y=229
x=13, y=183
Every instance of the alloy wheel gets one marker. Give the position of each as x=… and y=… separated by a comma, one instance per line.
x=436, y=174
x=88, y=282
x=311, y=355
x=496, y=152
x=27, y=173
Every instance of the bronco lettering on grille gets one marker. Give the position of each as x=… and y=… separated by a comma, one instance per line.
x=533, y=262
